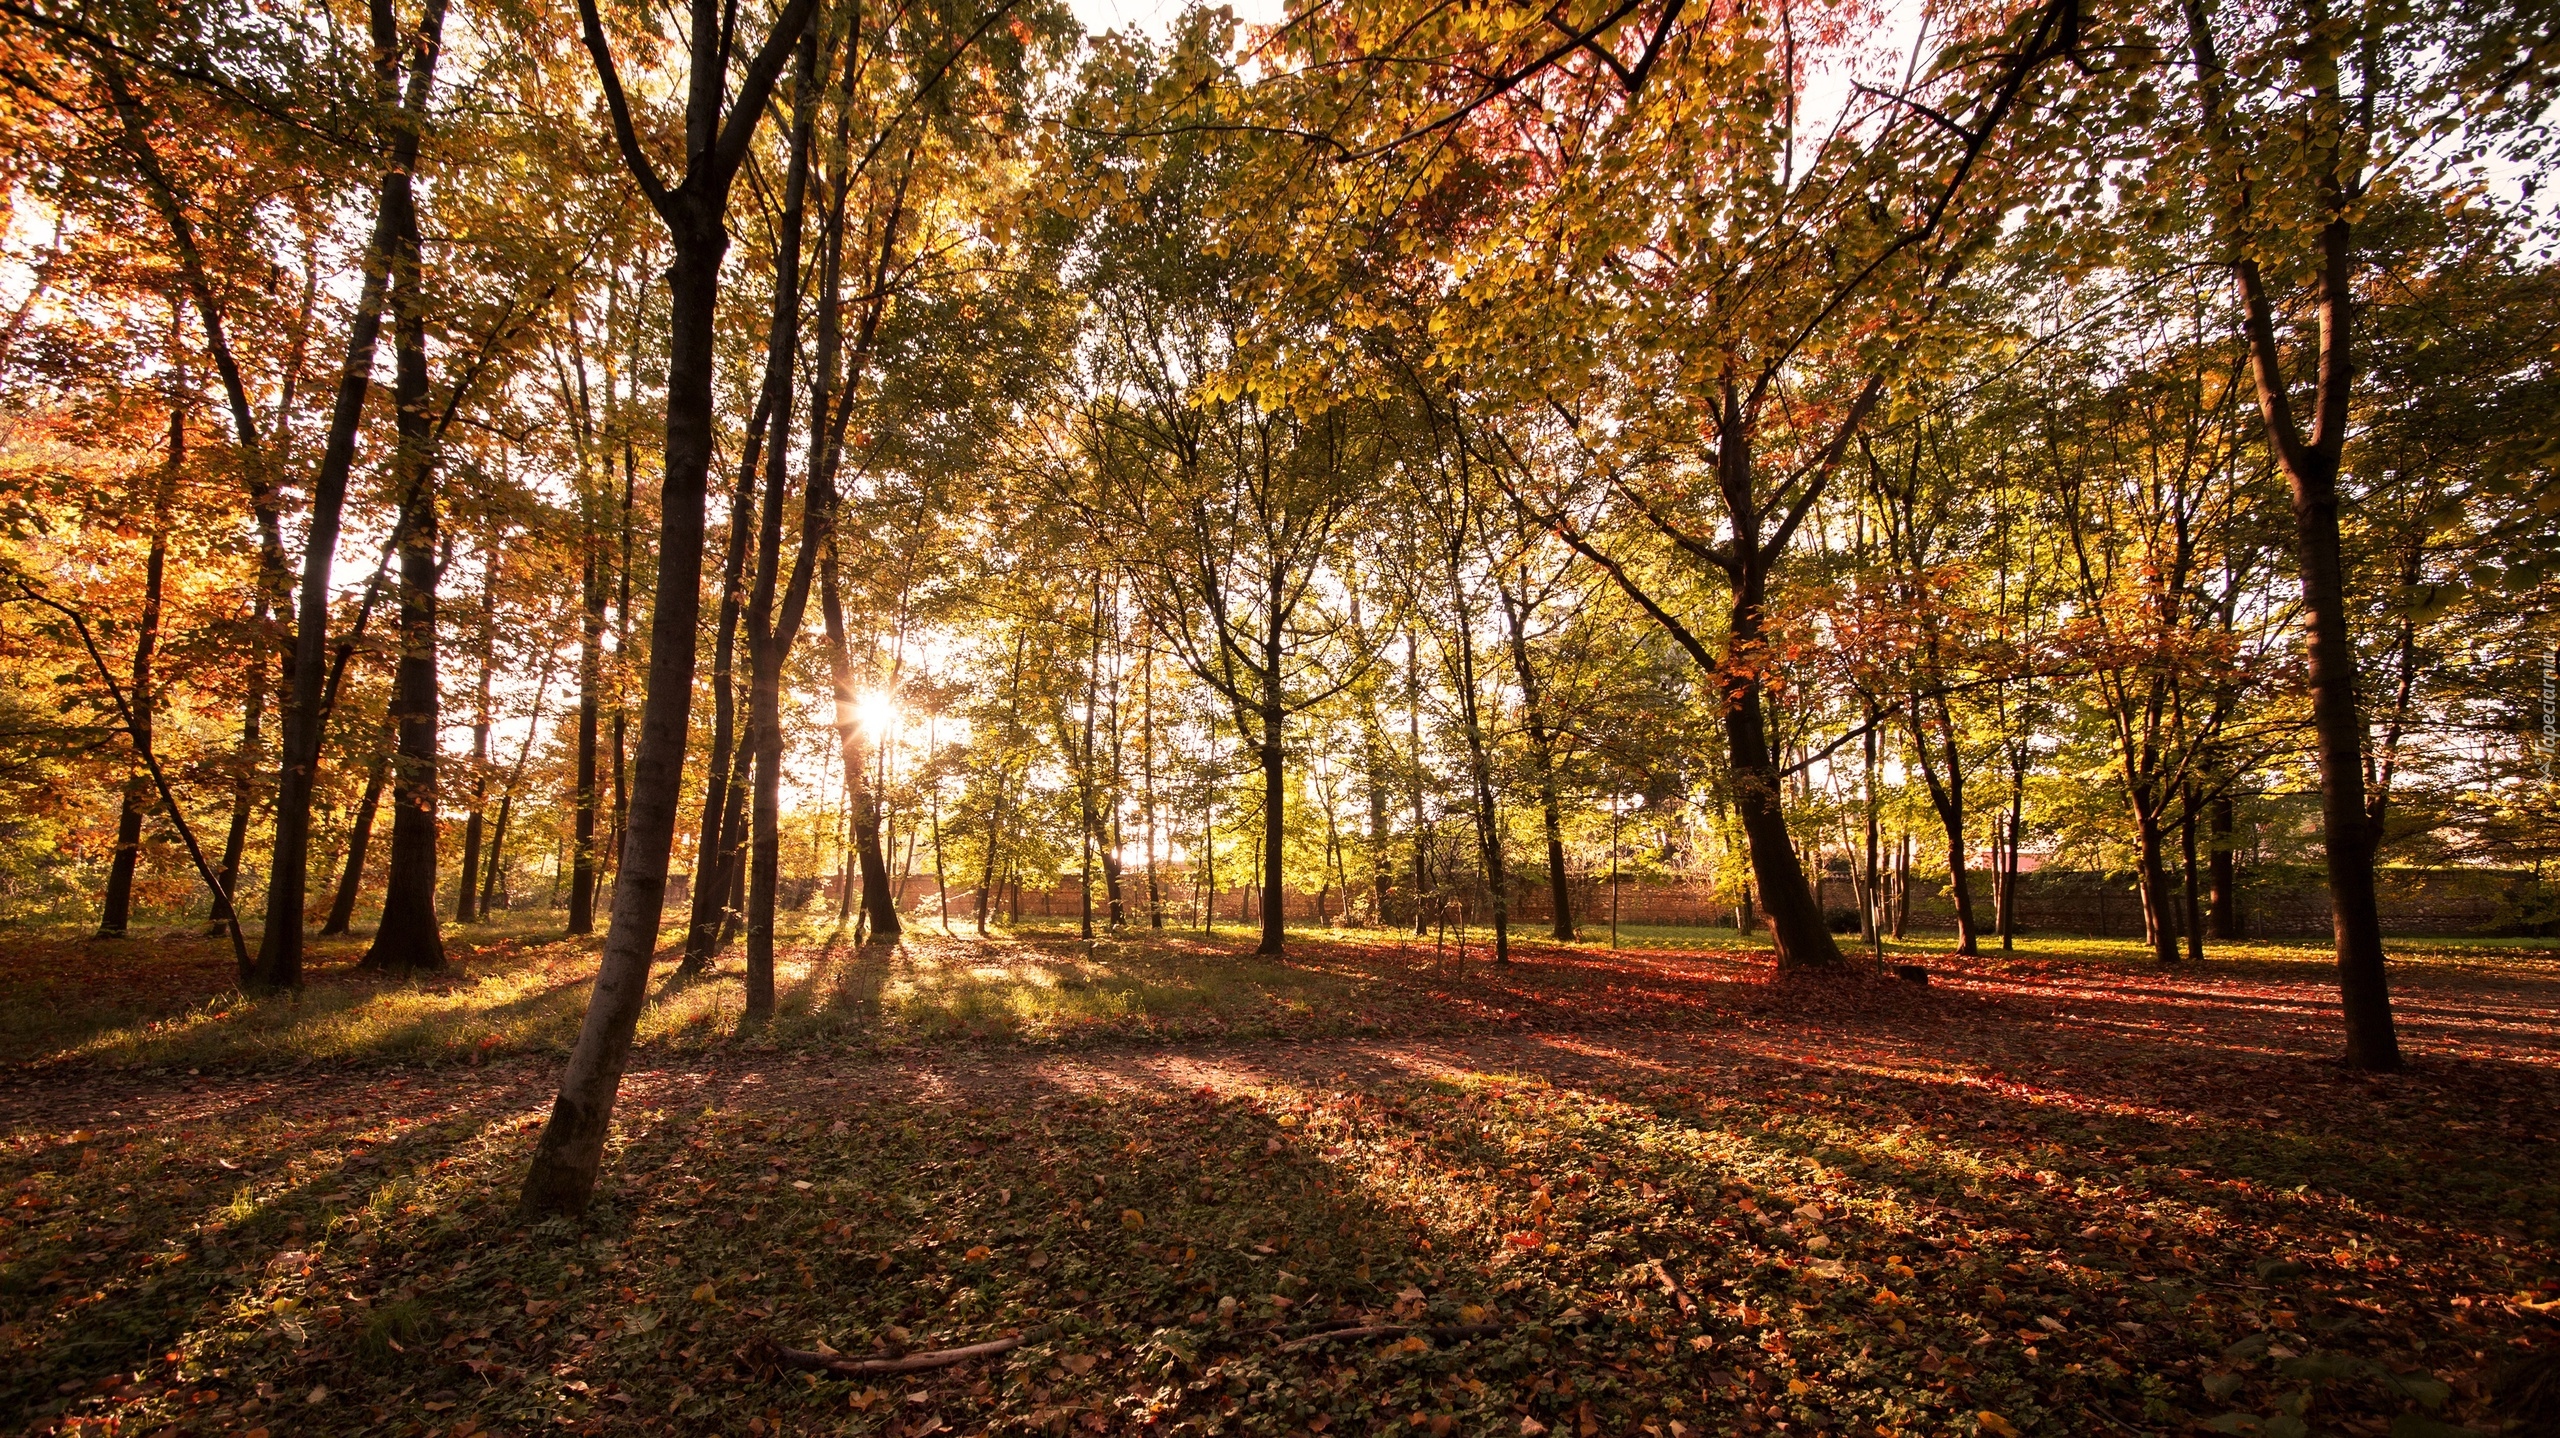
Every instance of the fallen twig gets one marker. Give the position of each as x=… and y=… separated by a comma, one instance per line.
x=1442, y=1333
x=766, y=1351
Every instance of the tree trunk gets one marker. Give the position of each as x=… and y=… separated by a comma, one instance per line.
x=2225, y=872
x=1542, y=760
x=2151, y=870
x=466, y=898
x=1480, y=770
x=562, y=1177
x=710, y=860
x=279, y=960
x=582, y=833
x=139, y=792
x=342, y=908
x=1796, y=927
x=2194, y=901
x=880, y=911
x=1413, y=734
x=1946, y=795
x=408, y=938
x=244, y=773
x=2310, y=466
x=767, y=645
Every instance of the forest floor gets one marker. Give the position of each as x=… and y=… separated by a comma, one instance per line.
x=1651, y=1191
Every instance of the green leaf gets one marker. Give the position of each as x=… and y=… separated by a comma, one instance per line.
x=2220, y=1386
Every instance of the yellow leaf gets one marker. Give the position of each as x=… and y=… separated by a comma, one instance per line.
x=1797, y=1387
x=1132, y=1220
x=704, y=1293
x=1995, y=1425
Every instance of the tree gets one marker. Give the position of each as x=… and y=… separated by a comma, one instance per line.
x=717, y=133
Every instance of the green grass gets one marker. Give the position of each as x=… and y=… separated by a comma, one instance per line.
x=169, y=1003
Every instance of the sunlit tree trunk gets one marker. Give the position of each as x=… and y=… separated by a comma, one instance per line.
x=562, y=1176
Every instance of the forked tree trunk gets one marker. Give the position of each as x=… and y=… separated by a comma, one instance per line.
x=1946, y=796
x=279, y=960
x=2151, y=873
x=562, y=1177
x=2310, y=464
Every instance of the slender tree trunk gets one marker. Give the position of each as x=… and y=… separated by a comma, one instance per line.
x=562, y=1177
x=1542, y=760
x=2151, y=870
x=1946, y=796
x=1147, y=758
x=466, y=898
x=342, y=908
x=767, y=645
x=139, y=792
x=582, y=834
x=1274, y=791
x=995, y=804
x=1480, y=771
x=2226, y=878
x=880, y=911
x=1413, y=739
x=710, y=862
x=244, y=773
x=2194, y=900
x=2310, y=464
x=409, y=937
x=279, y=960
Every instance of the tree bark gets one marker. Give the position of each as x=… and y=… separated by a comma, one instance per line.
x=2310, y=465
x=2225, y=872
x=711, y=855
x=408, y=938
x=879, y=909
x=1946, y=796
x=767, y=643
x=117, y=912
x=466, y=897
x=279, y=960
x=562, y=1176
x=582, y=832
x=342, y=908
x=1542, y=758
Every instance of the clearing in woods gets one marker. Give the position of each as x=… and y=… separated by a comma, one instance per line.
x=1371, y=1189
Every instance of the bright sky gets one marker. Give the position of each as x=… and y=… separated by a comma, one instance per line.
x=1153, y=15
